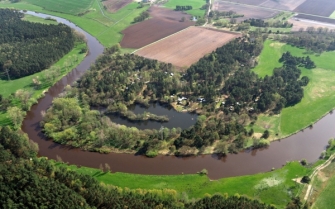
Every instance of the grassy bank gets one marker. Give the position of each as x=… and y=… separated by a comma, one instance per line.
x=196, y=6
x=31, y=18
x=274, y=187
x=26, y=83
x=318, y=94
x=106, y=27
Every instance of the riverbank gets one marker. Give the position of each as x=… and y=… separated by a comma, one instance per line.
x=106, y=27
x=26, y=83
x=275, y=187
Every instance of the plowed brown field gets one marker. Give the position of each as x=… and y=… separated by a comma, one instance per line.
x=317, y=7
x=186, y=47
x=247, y=11
x=163, y=22
x=115, y=5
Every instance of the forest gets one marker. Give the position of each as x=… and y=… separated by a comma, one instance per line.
x=31, y=182
x=223, y=74
x=27, y=48
x=316, y=40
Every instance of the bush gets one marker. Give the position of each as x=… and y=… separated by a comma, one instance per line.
x=203, y=172
x=305, y=180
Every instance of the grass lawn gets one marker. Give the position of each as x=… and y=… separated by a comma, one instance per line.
x=9, y=87
x=63, y=6
x=107, y=29
x=274, y=187
x=318, y=94
x=31, y=18
x=196, y=5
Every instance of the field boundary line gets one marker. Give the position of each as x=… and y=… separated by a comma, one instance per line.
x=161, y=39
x=103, y=12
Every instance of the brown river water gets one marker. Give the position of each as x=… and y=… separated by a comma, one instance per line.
x=307, y=144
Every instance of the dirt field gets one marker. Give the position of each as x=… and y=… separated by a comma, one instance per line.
x=114, y=5
x=317, y=7
x=247, y=11
x=274, y=4
x=186, y=47
x=304, y=23
x=163, y=22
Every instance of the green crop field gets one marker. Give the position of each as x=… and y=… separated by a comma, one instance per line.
x=196, y=5
x=64, y=6
x=318, y=94
x=274, y=187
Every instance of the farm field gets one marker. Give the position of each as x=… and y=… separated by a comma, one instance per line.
x=314, y=18
x=282, y=4
x=247, y=11
x=63, y=6
x=274, y=187
x=318, y=94
x=115, y=5
x=186, y=47
x=163, y=22
x=317, y=7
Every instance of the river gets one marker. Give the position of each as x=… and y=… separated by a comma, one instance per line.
x=307, y=144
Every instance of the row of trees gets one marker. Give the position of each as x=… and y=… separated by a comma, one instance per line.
x=27, y=48
x=183, y=8
x=26, y=179
x=144, y=15
x=265, y=24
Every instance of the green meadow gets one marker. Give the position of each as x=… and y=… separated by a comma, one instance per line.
x=10, y=87
x=275, y=187
x=31, y=18
x=63, y=6
x=196, y=6
x=106, y=27
x=318, y=94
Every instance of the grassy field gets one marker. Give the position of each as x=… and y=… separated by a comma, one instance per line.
x=196, y=5
x=274, y=187
x=31, y=18
x=107, y=29
x=318, y=95
x=63, y=6
x=9, y=87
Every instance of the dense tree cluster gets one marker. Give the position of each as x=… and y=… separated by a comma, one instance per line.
x=144, y=15
x=215, y=14
x=31, y=182
x=183, y=8
x=116, y=81
x=27, y=48
x=262, y=23
x=317, y=40
x=288, y=59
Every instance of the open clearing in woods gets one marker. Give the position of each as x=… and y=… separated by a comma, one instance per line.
x=186, y=47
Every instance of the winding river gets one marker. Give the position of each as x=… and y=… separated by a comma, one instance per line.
x=307, y=144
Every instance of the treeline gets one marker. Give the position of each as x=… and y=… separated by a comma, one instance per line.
x=183, y=8
x=27, y=48
x=215, y=14
x=316, y=40
x=144, y=15
x=31, y=182
x=274, y=24
x=288, y=59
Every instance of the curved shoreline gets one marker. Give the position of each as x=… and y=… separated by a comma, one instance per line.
x=301, y=145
